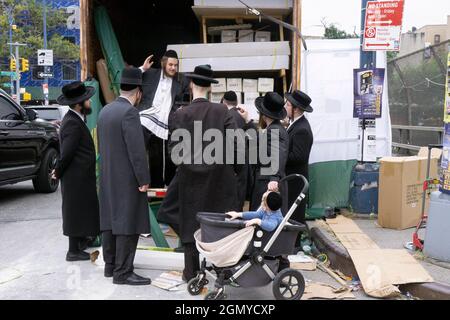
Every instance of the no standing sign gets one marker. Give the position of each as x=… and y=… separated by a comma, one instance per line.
x=383, y=25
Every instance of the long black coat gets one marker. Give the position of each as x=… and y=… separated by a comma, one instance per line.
x=300, y=144
x=261, y=179
x=76, y=169
x=201, y=187
x=123, y=169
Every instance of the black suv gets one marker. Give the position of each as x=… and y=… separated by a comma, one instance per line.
x=29, y=149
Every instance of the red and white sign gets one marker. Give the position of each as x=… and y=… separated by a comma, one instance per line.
x=383, y=25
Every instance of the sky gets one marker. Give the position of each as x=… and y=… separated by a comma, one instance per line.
x=346, y=13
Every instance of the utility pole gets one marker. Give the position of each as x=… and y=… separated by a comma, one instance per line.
x=45, y=47
x=11, y=22
x=17, y=46
x=367, y=58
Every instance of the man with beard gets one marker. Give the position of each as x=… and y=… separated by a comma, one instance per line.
x=124, y=181
x=162, y=88
x=76, y=169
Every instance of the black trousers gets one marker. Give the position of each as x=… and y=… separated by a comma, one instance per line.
x=191, y=261
x=162, y=169
x=74, y=244
x=118, y=253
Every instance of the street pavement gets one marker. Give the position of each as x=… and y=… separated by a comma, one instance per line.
x=33, y=266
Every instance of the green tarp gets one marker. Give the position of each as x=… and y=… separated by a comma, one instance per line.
x=110, y=46
x=96, y=105
x=329, y=186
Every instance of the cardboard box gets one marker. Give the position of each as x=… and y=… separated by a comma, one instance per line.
x=266, y=85
x=401, y=189
x=250, y=97
x=228, y=36
x=245, y=35
x=219, y=87
x=249, y=85
x=234, y=84
x=262, y=36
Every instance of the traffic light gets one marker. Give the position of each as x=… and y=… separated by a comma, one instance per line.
x=25, y=65
x=26, y=96
x=12, y=65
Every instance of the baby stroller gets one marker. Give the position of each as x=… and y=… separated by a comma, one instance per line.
x=248, y=257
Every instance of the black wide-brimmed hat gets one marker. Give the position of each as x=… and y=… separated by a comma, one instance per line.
x=131, y=76
x=274, y=201
x=300, y=100
x=272, y=106
x=202, y=76
x=74, y=93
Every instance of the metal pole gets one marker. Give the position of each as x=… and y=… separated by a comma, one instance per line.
x=17, y=75
x=11, y=21
x=45, y=47
x=367, y=58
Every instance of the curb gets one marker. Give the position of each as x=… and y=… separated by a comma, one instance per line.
x=340, y=259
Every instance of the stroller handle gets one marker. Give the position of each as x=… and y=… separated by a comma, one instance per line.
x=297, y=176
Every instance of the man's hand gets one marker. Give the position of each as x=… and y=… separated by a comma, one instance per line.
x=144, y=189
x=244, y=114
x=234, y=215
x=272, y=186
x=147, y=63
x=253, y=222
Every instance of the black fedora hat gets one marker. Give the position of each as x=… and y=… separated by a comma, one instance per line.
x=300, y=100
x=202, y=76
x=74, y=93
x=131, y=76
x=272, y=106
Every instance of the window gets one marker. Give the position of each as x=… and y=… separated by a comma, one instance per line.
x=437, y=39
x=69, y=72
x=8, y=111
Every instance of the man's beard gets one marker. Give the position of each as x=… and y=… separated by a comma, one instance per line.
x=86, y=111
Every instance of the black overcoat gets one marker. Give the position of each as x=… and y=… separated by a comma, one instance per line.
x=76, y=169
x=300, y=144
x=123, y=169
x=280, y=150
x=201, y=187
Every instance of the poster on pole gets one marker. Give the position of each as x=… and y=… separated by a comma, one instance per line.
x=447, y=93
x=368, y=93
x=45, y=57
x=383, y=28
x=368, y=137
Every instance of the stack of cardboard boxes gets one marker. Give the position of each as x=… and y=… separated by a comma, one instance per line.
x=246, y=35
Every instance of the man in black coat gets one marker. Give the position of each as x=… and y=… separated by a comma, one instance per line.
x=124, y=181
x=231, y=101
x=162, y=87
x=76, y=169
x=300, y=144
x=268, y=172
x=198, y=186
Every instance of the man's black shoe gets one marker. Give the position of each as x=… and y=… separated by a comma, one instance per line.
x=78, y=256
x=109, y=272
x=134, y=280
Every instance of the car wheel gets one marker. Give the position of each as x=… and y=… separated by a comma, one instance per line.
x=44, y=183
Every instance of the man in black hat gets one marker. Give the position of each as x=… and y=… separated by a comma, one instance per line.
x=300, y=144
x=231, y=101
x=163, y=87
x=124, y=181
x=76, y=169
x=198, y=186
x=275, y=143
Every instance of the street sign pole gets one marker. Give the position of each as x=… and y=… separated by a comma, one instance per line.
x=16, y=45
x=44, y=3
x=11, y=21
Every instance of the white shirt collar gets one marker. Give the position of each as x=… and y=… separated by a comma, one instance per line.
x=296, y=119
x=123, y=97
x=77, y=113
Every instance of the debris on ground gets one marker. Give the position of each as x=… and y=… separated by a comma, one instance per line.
x=317, y=290
x=9, y=274
x=170, y=281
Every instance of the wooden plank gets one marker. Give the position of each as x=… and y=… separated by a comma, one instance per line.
x=205, y=31
x=84, y=25
x=416, y=128
x=201, y=11
x=405, y=146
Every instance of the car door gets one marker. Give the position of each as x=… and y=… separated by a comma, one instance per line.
x=20, y=142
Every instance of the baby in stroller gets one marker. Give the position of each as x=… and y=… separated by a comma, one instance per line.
x=268, y=217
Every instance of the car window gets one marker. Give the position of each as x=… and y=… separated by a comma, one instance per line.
x=48, y=114
x=8, y=111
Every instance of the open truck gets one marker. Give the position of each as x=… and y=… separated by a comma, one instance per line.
x=141, y=28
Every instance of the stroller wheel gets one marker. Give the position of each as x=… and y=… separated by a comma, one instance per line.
x=289, y=284
x=196, y=285
x=216, y=295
